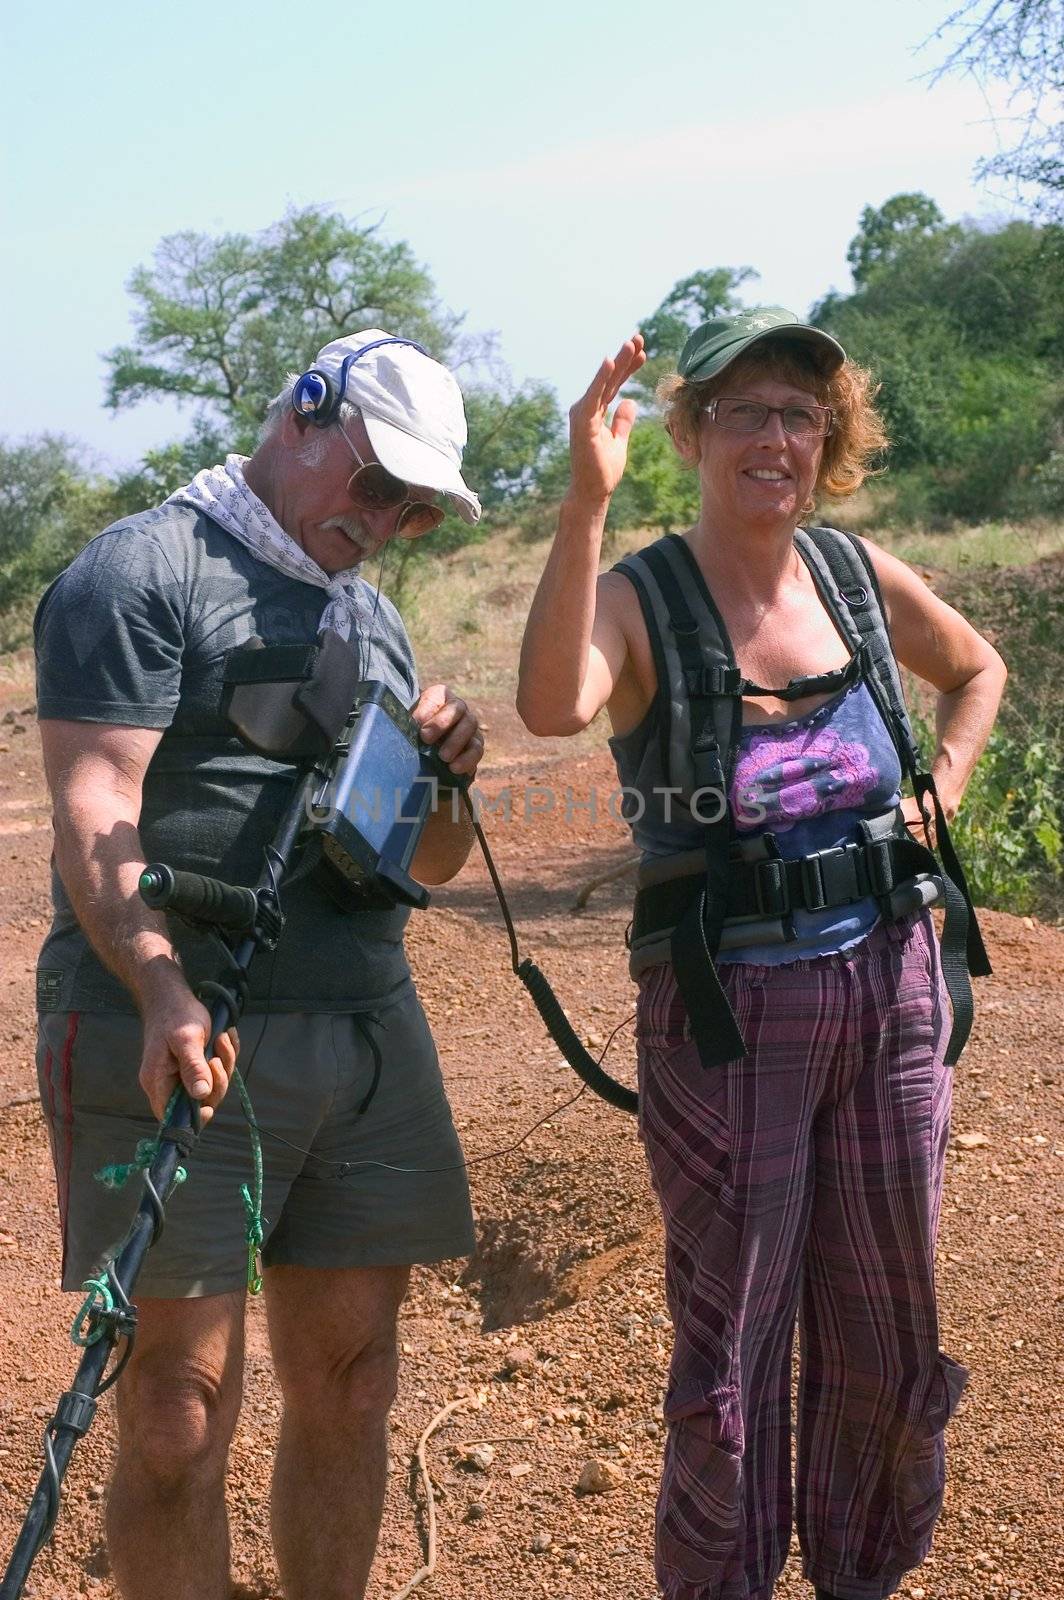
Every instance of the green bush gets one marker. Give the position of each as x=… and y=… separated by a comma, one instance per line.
x=657, y=491
x=50, y=505
x=1008, y=829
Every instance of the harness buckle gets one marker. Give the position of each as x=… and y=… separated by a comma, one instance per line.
x=831, y=877
x=711, y=681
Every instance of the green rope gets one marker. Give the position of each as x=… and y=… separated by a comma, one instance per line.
x=252, y=1198
x=99, y=1299
x=118, y=1173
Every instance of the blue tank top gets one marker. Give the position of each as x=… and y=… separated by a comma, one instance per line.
x=808, y=781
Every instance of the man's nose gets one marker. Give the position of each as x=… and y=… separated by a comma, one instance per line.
x=382, y=522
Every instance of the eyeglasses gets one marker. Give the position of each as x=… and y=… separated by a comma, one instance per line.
x=371, y=487
x=750, y=416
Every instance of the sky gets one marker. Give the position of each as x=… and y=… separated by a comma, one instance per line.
x=556, y=167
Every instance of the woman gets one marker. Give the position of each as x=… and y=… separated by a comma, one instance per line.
x=792, y=1026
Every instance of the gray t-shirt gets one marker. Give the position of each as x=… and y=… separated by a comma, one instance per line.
x=136, y=631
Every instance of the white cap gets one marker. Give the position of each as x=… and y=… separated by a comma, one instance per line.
x=412, y=409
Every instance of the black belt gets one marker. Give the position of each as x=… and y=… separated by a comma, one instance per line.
x=840, y=876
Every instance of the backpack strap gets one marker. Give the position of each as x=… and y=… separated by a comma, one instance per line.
x=847, y=583
x=846, y=579
x=705, y=697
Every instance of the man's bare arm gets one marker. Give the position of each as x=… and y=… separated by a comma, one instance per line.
x=95, y=773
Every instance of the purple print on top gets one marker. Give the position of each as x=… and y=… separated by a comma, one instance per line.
x=784, y=776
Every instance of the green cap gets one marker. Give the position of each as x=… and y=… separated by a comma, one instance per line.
x=715, y=344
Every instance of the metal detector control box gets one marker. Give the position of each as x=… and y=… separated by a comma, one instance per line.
x=378, y=789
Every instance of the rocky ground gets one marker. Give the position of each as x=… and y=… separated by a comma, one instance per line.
x=557, y=1335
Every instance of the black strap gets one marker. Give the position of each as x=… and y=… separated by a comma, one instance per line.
x=818, y=683
x=774, y=887
x=657, y=650
x=855, y=579
x=696, y=938
x=962, y=948
x=963, y=952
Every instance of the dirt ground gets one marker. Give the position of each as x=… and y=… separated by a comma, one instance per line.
x=557, y=1333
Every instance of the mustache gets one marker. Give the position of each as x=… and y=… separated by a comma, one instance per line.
x=352, y=526
x=355, y=530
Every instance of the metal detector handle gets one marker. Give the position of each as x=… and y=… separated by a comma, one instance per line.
x=191, y=894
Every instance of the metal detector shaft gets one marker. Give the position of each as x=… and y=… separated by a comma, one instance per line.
x=77, y=1408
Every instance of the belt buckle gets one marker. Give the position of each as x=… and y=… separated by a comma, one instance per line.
x=820, y=881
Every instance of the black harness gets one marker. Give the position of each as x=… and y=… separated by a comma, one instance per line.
x=741, y=892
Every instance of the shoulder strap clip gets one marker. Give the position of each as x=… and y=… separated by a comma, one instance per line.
x=709, y=682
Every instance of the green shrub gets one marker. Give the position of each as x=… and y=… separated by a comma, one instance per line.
x=657, y=491
x=1010, y=827
x=1009, y=831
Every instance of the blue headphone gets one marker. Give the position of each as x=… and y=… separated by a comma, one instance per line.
x=316, y=397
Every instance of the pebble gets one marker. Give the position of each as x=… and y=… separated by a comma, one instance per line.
x=599, y=1477
x=475, y=1512
x=970, y=1141
x=521, y=1358
x=477, y=1459
x=541, y=1542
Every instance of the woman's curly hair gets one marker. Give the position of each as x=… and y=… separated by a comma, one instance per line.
x=849, y=449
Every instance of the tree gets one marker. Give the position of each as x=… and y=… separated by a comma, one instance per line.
x=885, y=230
x=1020, y=43
x=695, y=299
x=219, y=322
x=964, y=328
x=657, y=490
x=511, y=438
x=50, y=504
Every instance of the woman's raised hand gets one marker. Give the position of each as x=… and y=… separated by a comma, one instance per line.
x=598, y=448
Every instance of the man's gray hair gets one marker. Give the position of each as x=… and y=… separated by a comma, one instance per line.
x=312, y=450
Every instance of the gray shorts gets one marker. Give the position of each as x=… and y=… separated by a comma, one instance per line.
x=343, y=1089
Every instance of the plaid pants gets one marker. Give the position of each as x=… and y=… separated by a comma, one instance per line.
x=803, y=1181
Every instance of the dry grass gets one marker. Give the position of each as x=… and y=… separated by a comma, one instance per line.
x=469, y=609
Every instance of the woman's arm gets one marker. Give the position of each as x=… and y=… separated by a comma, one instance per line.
x=574, y=648
x=937, y=644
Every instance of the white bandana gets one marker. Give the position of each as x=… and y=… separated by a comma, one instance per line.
x=222, y=494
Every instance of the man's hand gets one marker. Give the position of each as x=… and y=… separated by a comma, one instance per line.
x=447, y=721
x=176, y=1032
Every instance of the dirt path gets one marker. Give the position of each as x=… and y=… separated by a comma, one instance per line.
x=558, y=1331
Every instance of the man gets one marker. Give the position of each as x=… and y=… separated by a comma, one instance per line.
x=363, y=1166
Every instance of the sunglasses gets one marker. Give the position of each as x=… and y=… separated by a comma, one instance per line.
x=371, y=487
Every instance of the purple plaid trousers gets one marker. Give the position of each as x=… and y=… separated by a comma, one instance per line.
x=803, y=1182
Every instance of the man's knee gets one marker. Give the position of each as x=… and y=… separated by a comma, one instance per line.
x=347, y=1387
x=175, y=1427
